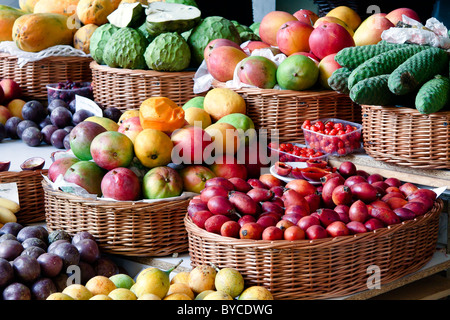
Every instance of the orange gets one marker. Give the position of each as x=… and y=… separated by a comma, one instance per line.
x=161, y=113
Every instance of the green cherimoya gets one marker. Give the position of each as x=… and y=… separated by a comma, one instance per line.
x=168, y=52
x=245, y=32
x=210, y=28
x=125, y=49
x=170, y=17
x=99, y=39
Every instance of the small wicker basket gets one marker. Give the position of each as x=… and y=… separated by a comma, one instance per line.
x=31, y=194
x=323, y=268
x=406, y=137
x=34, y=76
x=120, y=227
x=285, y=110
x=127, y=89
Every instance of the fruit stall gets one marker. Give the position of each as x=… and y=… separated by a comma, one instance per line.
x=152, y=152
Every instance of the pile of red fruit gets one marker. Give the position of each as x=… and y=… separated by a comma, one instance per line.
x=347, y=202
x=332, y=137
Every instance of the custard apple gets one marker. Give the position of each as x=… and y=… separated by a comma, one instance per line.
x=125, y=49
x=168, y=52
x=99, y=39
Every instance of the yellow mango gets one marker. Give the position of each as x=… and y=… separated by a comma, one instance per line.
x=38, y=31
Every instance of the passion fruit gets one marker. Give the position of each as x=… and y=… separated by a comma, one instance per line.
x=34, y=163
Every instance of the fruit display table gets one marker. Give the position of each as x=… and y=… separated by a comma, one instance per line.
x=440, y=262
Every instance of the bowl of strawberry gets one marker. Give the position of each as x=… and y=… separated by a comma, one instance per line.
x=333, y=136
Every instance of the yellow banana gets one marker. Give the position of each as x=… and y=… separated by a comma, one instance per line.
x=9, y=204
x=7, y=215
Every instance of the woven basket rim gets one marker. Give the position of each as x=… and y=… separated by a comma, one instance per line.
x=119, y=205
x=406, y=111
x=277, y=92
x=95, y=66
x=306, y=244
x=52, y=58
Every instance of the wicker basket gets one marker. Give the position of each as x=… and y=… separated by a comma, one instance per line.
x=31, y=194
x=406, y=137
x=120, y=227
x=127, y=89
x=323, y=268
x=34, y=76
x=285, y=110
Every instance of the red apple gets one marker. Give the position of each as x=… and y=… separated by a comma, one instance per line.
x=11, y=89
x=194, y=177
x=270, y=24
x=329, y=38
x=121, y=184
x=293, y=36
x=219, y=42
x=396, y=15
x=306, y=16
x=326, y=68
x=130, y=127
x=228, y=167
x=189, y=144
x=258, y=71
x=223, y=60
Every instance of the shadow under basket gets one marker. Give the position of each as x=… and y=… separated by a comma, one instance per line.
x=323, y=268
x=120, y=227
x=31, y=194
x=127, y=89
x=284, y=111
x=404, y=136
x=34, y=76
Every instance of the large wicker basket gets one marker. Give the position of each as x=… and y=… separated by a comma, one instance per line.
x=323, y=268
x=31, y=194
x=285, y=110
x=127, y=89
x=120, y=227
x=34, y=76
x=406, y=137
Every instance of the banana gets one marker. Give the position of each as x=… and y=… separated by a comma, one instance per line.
x=9, y=204
x=7, y=215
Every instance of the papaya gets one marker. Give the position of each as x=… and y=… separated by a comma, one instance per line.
x=8, y=16
x=65, y=7
x=82, y=38
x=94, y=11
x=144, y=2
x=38, y=31
x=27, y=5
